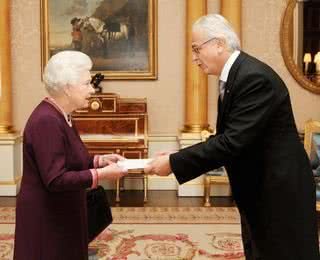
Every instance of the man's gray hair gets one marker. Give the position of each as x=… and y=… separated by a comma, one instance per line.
x=65, y=68
x=216, y=25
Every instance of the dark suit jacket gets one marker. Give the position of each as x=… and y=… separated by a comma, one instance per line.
x=269, y=171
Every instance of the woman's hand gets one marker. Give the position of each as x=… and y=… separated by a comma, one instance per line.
x=111, y=172
x=165, y=152
x=107, y=159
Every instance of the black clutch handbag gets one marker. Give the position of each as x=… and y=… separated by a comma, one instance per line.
x=98, y=212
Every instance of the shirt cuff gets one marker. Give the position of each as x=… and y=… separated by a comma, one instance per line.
x=94, y=173
x=96, y=161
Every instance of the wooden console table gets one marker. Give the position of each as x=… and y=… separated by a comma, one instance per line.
x=115, y=125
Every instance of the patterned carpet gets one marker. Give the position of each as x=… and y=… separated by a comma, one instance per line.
x=165, y=233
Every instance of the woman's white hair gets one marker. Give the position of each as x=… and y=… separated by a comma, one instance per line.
x=216, y=25
x=65, y=68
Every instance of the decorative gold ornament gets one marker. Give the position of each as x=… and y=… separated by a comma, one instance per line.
x=95, y=105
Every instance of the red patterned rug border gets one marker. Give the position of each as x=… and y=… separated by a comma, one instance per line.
x=157, y=215
x=176, y=215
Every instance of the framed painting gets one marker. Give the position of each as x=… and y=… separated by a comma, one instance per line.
x=120, y=36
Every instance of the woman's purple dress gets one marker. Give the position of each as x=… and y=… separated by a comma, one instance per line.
x=51, y=216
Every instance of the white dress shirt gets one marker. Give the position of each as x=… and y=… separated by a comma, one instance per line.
x=225, y=72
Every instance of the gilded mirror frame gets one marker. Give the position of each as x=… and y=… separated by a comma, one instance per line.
x=286, y=49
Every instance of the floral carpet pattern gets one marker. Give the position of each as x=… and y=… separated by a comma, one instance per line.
x=156, y=233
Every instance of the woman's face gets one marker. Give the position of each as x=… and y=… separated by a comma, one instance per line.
x=79, y=94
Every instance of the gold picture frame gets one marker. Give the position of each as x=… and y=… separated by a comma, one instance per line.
x=286, y=44
x=120, y=36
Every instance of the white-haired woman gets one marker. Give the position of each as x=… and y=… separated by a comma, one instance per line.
x=51, y=213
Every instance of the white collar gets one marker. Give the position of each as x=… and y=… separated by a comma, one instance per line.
x=227, y=66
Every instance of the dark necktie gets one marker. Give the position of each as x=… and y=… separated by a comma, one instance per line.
x=222, y=87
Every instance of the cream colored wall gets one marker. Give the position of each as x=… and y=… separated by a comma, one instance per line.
x=26, y=81
x=261, y=38
x=165, y=96
x=261, y=21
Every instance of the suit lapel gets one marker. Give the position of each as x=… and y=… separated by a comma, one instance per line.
x=228, y=87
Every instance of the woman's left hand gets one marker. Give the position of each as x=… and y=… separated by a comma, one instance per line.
x=107, y=159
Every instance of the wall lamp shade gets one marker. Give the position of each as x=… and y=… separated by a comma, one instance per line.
x=307, y=57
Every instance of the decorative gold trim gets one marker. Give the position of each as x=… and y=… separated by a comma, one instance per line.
x=11, y=138
x=111, y=118
x=5, y=129
x=5, y=70
x=196, y=86
x=133, y=100
x=95, y=104
x=146, y=137
x=196, y=128
x=82, y=111
x=310, y=128
x=116, y=150
x=16, y=180
x=97, y=151
x=190, y=183
x=213, y=180
x=44, y=35
x=285, y=28
x=104, y=95
x=113, y=140
x=231, y=10
x=104, y=116
x=218, y=179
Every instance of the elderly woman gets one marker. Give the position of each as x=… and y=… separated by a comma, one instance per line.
x=51, y=216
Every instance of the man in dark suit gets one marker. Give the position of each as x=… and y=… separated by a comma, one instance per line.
x=258, y=143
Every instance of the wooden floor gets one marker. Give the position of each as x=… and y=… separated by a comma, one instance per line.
x=163, y=198
x=155, y=199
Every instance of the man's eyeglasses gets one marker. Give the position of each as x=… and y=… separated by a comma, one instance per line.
x=196, y=48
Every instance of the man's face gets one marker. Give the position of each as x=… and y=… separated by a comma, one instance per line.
x=207, y=53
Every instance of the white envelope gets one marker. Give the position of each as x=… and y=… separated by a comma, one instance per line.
x=132, y=164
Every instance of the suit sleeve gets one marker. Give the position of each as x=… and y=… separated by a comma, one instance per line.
x=251, y=108
x=48, y=144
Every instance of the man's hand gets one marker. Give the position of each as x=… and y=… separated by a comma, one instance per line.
x=160, y=165
x=107, y=159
